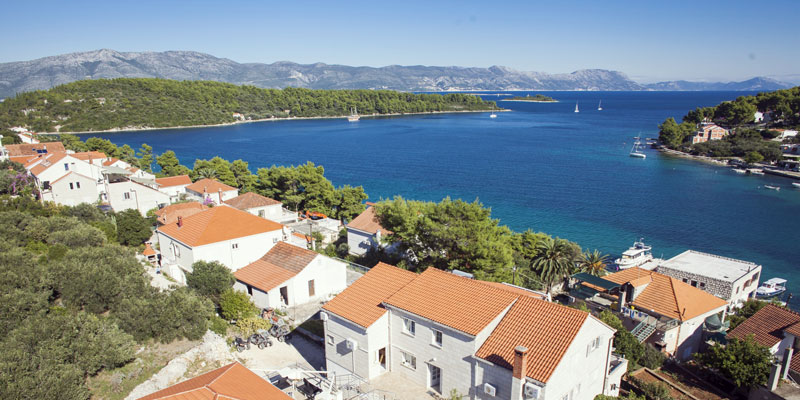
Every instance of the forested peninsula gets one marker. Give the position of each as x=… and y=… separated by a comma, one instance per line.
x=539, y=98
x=126, y=103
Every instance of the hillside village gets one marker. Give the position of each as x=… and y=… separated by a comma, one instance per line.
x=357, y=332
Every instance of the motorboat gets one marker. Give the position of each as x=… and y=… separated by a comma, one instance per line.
x=796, y=184
x=635, y=256
x=740, y=171
x=771, y=288
x=754, y=171
x=772, y=187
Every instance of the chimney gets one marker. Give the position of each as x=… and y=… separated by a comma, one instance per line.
x=518, y=374
x=180, y=221
x=219, y=192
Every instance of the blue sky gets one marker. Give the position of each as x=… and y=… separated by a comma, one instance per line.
x=648, y=40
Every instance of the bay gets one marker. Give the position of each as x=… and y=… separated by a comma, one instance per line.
x=541, y=167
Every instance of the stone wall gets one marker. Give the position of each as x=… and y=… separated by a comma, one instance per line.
x=717, y=287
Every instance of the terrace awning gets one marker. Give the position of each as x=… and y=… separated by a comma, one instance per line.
x=596, y=281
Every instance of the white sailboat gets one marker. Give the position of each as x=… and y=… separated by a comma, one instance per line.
x=635, y=151
x=600, y=106
x=576, y=107
x=353, y=117
x=493, y=114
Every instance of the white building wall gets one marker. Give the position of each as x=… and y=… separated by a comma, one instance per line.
x=249, y=249
x=499, y=377
x=329, y=275
x=174, y=192
x=61, y=193
x=271, y=212
x=689, y=335
x=359, y=241
x=260, y=298
x=338, y=358
x=213, y=196
x=128, y=195
x=581, y=372
x=175, y=253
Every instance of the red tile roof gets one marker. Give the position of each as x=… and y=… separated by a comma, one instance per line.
x=461, y=303
x=148, y=250
x=515, y=289
x=170, y=213
x=545, y=329
x=367, y=221
x=281, y=262
x=174, y=181
x=110, y=161
x=49, y=161
x=209, y=186
x=767, y=325
x=90, y=155
x=361, y=302
x=25, y=149
x=233, y=381
x=251, y=200
x=666, y=295
x=218, y=224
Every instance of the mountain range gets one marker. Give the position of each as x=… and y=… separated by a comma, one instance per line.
x=47, y=72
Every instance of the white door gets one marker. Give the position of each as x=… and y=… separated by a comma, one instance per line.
x=435, y=378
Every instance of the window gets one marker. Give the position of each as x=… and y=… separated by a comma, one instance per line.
x=694, y=283
x=685, y=280
x=330, y=339
x=737, y=290
x=78, y=185
x=235, y=246
x=592, y=346
x=408, y=360
x=409, y=326
x=702, y=285
x=66, y=167
x=70, y=186
x=126, y=195
x=261, y=213
x=274, y=240
x=249, y=290
x=311, y=291
x=437, y=338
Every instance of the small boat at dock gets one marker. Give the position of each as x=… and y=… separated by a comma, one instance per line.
x=635, y=256
x=754, y=171
x=796, y=185
x=771, y=288
x=740, y=171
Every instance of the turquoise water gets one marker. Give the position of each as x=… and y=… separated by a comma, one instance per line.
x=540, y=167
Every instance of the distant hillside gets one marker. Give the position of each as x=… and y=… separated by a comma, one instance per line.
x=48, y=72
x=128, y=103
x=755, y=84
x=44, y=73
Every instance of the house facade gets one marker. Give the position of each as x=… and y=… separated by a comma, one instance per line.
x=447, y=332
x=210, y=191
x=126, y=194
x=174, y=186
x=708, y=131
x=263, y=207
x=777, y=329
x=232, y=237
x=730, y=279
x=364, y=232
x=288, y=275
x=72, y=189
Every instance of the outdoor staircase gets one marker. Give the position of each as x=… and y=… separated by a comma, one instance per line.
x=643, y=331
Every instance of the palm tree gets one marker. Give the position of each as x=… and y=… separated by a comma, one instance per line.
x=552, y=262
x=593, y=263
x=208, y=172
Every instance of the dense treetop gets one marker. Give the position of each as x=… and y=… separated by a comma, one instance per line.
x=539, y=98
x=94, y=105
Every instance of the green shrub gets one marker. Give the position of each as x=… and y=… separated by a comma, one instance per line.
x=210, y=279
x=251, y=325
x=236, y=305
x=652, y=358
x=218, y=325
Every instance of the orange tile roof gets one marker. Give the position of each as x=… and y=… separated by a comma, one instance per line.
x=110, y=161
x=666, y=295
x=24, y=149
x=90, y=155
x=367, y=221
x=515, y=289
x=174, y=181
x=233, y=381
x=209, y=186
x=48, y=162
x=767, y=325
x=251, y=200
x=170, y=213
x=148, y=250
x=281, y=262
x=545, y=329
x=361, y=302
x=218, y=224
x=461, y=303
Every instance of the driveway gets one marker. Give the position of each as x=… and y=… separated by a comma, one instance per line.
x=298, y=352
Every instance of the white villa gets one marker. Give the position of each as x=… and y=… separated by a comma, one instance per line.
x=211, y=191
x=729, y=279
x=263, y=207
x=364, y=232
x=232, y=237
x=485, y=341
x=174, y=186
x=289, y=275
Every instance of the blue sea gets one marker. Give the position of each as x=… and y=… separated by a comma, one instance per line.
x=540, y=166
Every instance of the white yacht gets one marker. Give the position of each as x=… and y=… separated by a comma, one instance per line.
x=353, y=117
x=636, y=151
x=635, y=256
x=771, y=288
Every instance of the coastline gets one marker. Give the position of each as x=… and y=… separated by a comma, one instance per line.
x=533, y=101
x=713, y=161
x=136, y=129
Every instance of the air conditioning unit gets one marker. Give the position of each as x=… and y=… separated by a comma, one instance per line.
x=489, y=389
x=351, y=344
x=323, y=316
x=531, y=391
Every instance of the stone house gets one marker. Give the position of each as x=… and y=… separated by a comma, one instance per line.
x=708, y=131
x=732, y=280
